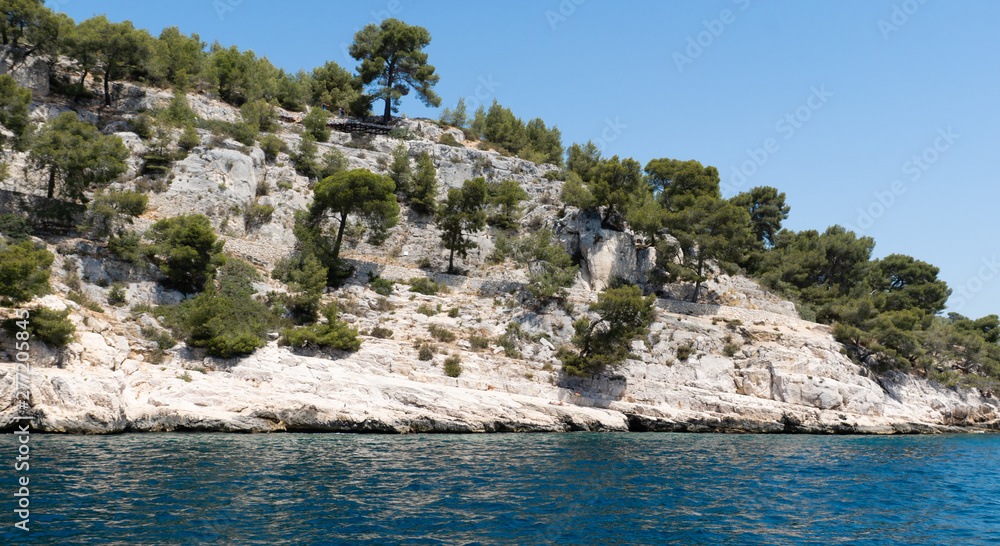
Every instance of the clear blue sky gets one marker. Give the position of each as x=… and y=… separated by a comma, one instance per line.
x=869, y=85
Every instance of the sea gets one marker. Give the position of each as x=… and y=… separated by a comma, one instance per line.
x=567, y=488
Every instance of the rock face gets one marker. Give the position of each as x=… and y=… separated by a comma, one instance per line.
x=785, y=375
x=741, y=361
x=33, y=74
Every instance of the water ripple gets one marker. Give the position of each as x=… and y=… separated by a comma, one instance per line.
x=513, y=489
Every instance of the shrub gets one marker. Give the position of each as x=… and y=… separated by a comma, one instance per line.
x=423, y=285
x=189, y=139
x=479, y=342
x=315, y=124
x=453, y=312
x=272, y=145
x=142, y=125
x=380, y=332
x=178, y=112
x=24, y=270
x=162, y=338
x=426, y=352
x=259, y=117
x=110, y=213
x=304, y=158
x=226, y=320
x=82, y=300
x=256, y=215
x=425, y=310
x=441, y=333
x=381, y=286
x=334, y=334
x=44, y=324
x=383, y=304
x=729, y=349
x=14, y=227
x=186, y=250
x=128, y=247
x=116, y=296
x=449, y=140
x=684, y=352
x=453, y=366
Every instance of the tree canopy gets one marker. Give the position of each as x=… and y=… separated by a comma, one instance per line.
x=77, y=156
x=360, y=192
x=392, y=58
x=624, y=315
x=460, y=215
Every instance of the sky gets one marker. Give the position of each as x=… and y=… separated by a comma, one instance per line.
x=881, y=116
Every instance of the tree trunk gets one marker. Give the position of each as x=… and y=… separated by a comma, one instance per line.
x=107, y=88
x=388, y=92
x=52, y=181
x=451, y=261
x=340, y=237
x=697, y=284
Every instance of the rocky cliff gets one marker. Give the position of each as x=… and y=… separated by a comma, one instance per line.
x=743, y=362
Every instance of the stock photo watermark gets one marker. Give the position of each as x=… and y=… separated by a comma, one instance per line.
x=22, y=432
x=486, y=88
x=613, y=128
x=900, y=15
x=786, y=126
x=966, y=291
x=697, y=44
x=913, y=168
x=562, y=13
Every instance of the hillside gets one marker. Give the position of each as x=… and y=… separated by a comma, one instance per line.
x=741, y=360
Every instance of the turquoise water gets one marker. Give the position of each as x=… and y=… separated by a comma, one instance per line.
x=578, y=488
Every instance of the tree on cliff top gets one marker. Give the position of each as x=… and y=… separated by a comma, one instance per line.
x=116, y=50
x=392, y=57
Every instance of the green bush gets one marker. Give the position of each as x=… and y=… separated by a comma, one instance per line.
x=189, y=139
x=449, y=140
x=684, y=352
x=43, y=324
x=116, y=296
x=381, y=286
x=426, y=352
x=729, y=349
x=226, y=320
x=453, y=312
x=162, y=338
x=24, y=270
x=423, y=285
x=315, y=124
x=186, y=250
x=453, y=366
x=257, y=215
x=128, y=247
x=426, y=310
x=380, y=332
x=143, y=125
x=259, y=117
x=441, y=333
x=479, y=342
x=272, y=145
x=82, y=300
x=14, y=227
x=178, y=112
x=334, y=334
